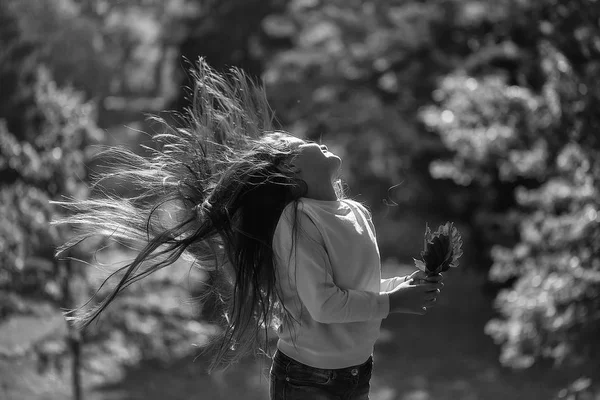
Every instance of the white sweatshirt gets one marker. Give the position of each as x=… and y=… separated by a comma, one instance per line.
x=329, y=278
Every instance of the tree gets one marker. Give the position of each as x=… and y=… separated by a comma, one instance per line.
x=43, y=133
x=50, y=166
x=46, y=128
x=528, y=143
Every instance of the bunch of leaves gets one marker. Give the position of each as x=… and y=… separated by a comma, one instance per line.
x=442, y=249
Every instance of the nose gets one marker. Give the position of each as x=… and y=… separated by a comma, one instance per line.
x=323, y=147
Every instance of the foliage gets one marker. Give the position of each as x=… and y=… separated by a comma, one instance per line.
x=530, y=147
x=226, y=34
x=154, y=320
x=41, y=169
x=43, y=157
x=506, y=91
x=18, y=60
x=43, y=130
x=355, y=73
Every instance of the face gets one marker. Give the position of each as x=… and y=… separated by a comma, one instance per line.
x=316, y=166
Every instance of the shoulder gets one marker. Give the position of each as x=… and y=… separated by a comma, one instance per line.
x=359, y=207
x=363, y=215
x=298, y=215
x=296, y=229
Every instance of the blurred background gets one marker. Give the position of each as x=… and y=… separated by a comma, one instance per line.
x=486, y=113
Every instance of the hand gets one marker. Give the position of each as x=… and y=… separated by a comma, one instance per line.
x=420, y=276
x=414, y=296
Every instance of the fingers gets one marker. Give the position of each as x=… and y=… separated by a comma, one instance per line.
x=432, y=287
x=418, y=275
x=432, y=296
x=421, y=311
x=434, y=278
x=430, y=301
x=428, y=287
x=428, y=304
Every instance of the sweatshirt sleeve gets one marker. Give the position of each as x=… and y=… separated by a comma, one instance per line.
x=388, y=284
x=309, y=267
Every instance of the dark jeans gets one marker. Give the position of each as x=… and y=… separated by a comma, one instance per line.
x=291, y=380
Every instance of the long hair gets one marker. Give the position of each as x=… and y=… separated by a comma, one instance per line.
x=212, y=189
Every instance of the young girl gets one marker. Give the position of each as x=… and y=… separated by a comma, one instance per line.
x=263, y=213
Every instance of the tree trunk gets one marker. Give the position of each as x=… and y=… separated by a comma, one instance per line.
x=74, y=340
x=75, y=347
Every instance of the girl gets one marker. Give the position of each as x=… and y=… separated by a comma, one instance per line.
x=262, y=212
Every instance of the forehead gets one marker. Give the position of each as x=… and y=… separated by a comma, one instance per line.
x=285, y=139
x=293, y=141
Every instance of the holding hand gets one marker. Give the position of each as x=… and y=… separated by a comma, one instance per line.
x=416, y=294
x=418, y=277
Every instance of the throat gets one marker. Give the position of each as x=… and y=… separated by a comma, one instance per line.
x=324, y=192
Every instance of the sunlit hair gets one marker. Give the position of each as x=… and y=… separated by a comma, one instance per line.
x=213, y=190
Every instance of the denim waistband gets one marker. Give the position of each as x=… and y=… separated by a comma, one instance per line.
x=281, y=357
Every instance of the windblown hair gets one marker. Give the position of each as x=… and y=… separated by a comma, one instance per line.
x=213, y=190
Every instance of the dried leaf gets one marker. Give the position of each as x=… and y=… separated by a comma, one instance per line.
x=419, y=264
x=441, y=249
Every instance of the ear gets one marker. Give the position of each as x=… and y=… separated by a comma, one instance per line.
x=288, y=167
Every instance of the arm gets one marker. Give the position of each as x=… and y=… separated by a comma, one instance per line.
x=389, y=284
x=310, y=268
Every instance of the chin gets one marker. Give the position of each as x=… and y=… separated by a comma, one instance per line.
x=338, y=162
x=331, y=156
x=335, y=165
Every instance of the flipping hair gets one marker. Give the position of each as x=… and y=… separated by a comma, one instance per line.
x=213, y=190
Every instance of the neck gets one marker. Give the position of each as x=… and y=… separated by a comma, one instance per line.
x=322, y=192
